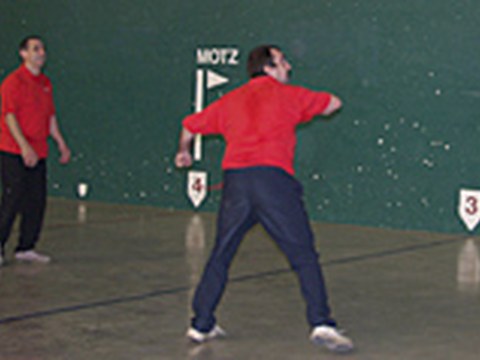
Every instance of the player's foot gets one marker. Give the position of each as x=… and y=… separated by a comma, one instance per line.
x=331, y=338
x=32, y=256
x=200, y=337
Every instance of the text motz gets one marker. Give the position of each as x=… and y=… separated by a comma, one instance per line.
x=218, y=56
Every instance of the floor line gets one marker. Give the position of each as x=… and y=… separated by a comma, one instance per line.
x=237, y=279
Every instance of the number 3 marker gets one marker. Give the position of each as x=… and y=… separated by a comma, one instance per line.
x=468, y=208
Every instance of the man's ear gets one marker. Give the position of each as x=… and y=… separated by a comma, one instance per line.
x=267, y=69
x=22, y=53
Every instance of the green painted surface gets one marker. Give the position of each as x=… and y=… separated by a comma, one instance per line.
x=396, y=156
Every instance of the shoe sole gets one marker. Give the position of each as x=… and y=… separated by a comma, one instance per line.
x=338, y=348
x=218, y=334
x=202, y=341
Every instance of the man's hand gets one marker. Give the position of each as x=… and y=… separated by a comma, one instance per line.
x=30, y=157
x=65, y=154
x=334, y=105
x=183, y=159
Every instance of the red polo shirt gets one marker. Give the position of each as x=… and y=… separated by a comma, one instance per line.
x=28, y=97
x=258, y=122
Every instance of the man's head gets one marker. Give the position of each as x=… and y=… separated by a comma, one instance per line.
x=268, y=60
x=33, y=53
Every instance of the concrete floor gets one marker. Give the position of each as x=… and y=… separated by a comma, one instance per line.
x=122, y=276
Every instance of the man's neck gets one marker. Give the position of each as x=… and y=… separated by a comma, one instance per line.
x=35, y=70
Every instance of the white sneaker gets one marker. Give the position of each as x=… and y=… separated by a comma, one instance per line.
x=32, y=256
x=331, y=338
x=200, y=337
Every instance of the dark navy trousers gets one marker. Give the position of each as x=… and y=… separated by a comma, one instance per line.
x=24, y=192
x=272, y=197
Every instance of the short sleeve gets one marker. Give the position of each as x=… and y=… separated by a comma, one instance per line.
x=311, y=103
x=206, y=122
x=10, y=97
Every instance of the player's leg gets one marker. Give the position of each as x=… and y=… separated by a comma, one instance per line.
x=281, y=211
x=32, y=212
x=234, y=220
x=13, y=188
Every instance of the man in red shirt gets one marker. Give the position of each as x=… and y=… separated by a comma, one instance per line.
x=258, y=122
x=27, y=120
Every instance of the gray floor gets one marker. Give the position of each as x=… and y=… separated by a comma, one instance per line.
x=121, y=280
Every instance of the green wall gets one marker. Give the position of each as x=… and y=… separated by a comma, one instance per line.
x=396, y=156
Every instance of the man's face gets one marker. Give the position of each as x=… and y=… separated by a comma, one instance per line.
x=281, y=70
x=34, y=55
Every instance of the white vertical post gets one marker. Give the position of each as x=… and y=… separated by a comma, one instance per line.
x=199, y=99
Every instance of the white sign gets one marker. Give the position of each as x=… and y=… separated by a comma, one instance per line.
x=207, y=79
x=210, y=56
x=82, y=190
x=469, y=208
x=218, y=56
x=197, y=187
x=199, y=99
x=213, y=80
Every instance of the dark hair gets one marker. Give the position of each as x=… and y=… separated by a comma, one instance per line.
x=24, y=43
x=258, y=58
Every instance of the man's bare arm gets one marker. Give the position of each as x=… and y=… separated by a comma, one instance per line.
x=30, y=157
x=58, y=137
x=184, y=157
